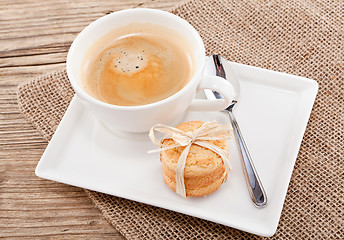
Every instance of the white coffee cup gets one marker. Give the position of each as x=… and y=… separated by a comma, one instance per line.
x=141, y=118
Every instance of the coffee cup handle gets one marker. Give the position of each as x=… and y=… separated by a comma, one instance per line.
x=219, y=85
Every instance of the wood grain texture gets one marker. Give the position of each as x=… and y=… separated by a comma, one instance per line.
x=34, y=39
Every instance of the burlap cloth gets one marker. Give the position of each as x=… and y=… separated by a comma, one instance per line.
x=299, y=37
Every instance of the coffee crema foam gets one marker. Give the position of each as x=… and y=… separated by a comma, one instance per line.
x=138, y=68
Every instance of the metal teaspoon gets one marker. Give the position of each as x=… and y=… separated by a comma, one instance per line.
x=254, y=184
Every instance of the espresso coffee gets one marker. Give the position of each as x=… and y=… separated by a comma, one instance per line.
x=137, y=65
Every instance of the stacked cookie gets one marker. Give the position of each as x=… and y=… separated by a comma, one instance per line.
x=204, y=169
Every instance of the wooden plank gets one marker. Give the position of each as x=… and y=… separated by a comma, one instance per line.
x=34, y=39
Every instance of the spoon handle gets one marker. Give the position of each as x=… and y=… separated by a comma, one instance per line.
x=254, y=184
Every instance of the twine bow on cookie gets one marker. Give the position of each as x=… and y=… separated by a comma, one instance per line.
x=200, y=136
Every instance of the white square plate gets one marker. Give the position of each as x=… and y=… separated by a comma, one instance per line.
x=273, y=112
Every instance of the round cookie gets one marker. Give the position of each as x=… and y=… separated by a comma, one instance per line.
x=204, y=169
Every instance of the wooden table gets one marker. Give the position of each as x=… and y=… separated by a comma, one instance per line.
x=34, y=39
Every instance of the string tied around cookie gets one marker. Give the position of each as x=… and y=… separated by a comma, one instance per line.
x=201, y=136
